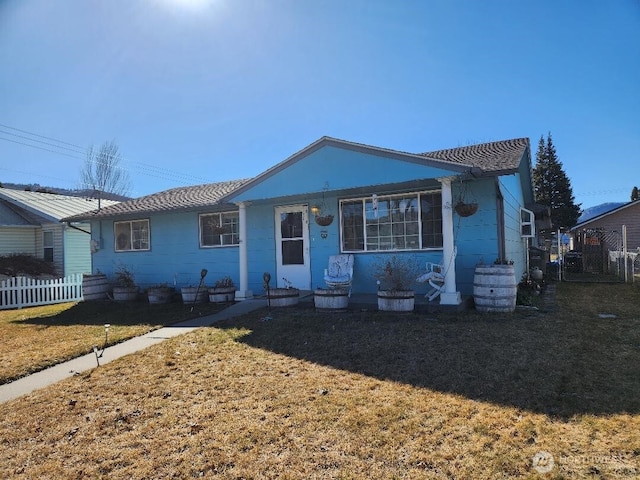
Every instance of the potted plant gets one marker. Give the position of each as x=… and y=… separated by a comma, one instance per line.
x=197, y=294
x=282, y=296
x=124, y=288
x=223, y=291
x=395, y=276
x=331, y=299
x=159, y=293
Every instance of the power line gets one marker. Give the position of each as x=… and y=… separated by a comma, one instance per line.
x=41, y=136
x=143, y=168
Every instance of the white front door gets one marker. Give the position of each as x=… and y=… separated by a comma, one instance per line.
x=292, y=247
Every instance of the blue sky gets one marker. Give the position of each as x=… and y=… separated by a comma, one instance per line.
x=196, y=91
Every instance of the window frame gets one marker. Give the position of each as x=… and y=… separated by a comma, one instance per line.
x=531, y=223
x=132, y=241
x=48, y=247
x=373, y=199
x=234, y=235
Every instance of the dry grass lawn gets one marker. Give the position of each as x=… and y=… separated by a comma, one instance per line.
x=35, y=338
x=354, y=395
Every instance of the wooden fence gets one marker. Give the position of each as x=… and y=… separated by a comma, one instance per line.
x=18, y=292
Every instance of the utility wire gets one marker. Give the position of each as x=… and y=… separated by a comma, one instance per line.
x=143, y=168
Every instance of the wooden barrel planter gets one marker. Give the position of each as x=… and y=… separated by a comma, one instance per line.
x=125, y=294
x=396, y=300
x=193, y=295
x=283, y=297
x=336, y=299
x=95, y=287
x=159, y=295
x=222, y=295
x=495, y=288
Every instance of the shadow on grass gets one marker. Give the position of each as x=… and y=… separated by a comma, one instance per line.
x=546, y=363
x=120, y=313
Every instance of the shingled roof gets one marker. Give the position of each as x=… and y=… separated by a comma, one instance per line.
x=175, y=199
x=494, y=157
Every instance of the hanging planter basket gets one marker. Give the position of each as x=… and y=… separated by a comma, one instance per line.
x=466, y=209
x=220, y=229
x=324, y=220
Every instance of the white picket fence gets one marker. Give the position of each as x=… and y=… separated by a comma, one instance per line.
x=18, y=292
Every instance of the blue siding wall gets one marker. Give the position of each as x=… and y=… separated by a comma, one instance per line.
x=515, y=245
x=475, y=237
x=343, y=169
x=175, y=257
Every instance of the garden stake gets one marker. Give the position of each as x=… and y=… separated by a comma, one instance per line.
x=203, y=273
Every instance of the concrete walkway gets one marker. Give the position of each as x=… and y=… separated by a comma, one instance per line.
x=51, y=375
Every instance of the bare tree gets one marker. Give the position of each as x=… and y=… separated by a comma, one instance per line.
x=102, y=171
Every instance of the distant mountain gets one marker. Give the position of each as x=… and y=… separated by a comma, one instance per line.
x=34, y=187
x=591, y=212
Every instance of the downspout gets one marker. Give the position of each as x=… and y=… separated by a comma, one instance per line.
x=77, y=228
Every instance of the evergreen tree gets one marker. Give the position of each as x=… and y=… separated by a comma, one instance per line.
x=635, y=195
x=552, y=186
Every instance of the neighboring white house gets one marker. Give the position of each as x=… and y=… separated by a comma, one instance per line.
x=30, y=223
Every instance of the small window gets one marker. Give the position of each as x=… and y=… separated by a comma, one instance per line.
x=219, y=229
x=47, y=246
x=131, y=236
x=527, y=223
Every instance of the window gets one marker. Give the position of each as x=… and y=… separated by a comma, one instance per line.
x=131, y=236
x=396, y=222
x=219, y=229
x=47, y=246
x=527, y=223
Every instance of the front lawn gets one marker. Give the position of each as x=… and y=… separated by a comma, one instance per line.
x=35, y=338
x=354, y=395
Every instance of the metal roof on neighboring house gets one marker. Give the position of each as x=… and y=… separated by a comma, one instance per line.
x=180, y=198
x=51, y=207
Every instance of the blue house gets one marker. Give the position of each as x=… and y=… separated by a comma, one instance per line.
x=383, y=202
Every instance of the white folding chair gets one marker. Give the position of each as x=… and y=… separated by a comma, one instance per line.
x=435, y=278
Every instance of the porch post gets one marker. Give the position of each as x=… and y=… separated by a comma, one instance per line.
x=243, y=292
x=450, y=295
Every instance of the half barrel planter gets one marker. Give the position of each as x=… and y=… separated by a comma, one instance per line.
x=194, y=294
x=495, y=288
x=159, y=295
x=95, y=287
x=396, y=300
x=331, y=299
x=283, y=297
x=222, y=294
x=125, y=294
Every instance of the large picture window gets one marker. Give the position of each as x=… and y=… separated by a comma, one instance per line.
x=132, y=235
x=219, y=229
x=410, y=221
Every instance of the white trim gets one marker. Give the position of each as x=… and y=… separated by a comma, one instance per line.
x=449, y=295
x=243, y=293
x=219, y=214
x=131, y=249
x=531, y=223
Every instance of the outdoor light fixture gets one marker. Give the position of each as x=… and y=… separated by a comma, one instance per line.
x=315, y=210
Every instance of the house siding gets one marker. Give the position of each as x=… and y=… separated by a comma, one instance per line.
x=18, y=240
x=629, y=216
x=77, y=250
x=175, y=256
x=515, y=245
x=341, y=169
